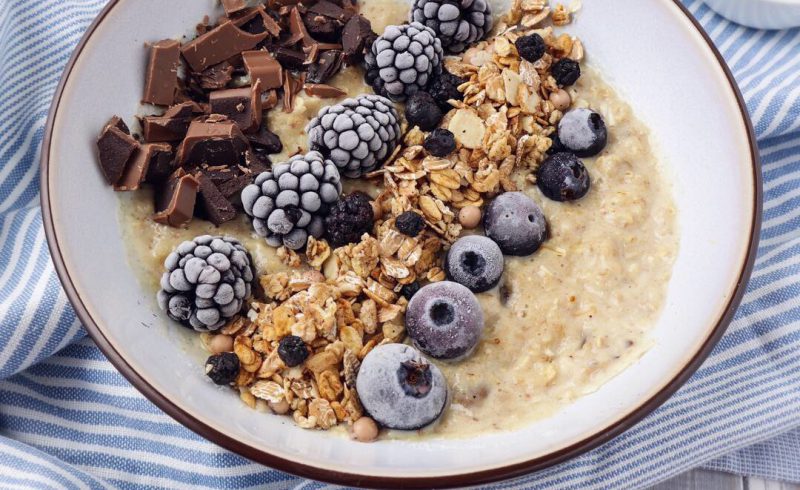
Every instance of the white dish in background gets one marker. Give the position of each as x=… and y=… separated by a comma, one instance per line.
x=763, y=14
x=684, y=94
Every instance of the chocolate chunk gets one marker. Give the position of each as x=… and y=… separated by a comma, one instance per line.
x=175, y=201
x=257, y=21
x=219, y=44
x=241, y=105
x=298, y=28
x=233, y=7
x=213, y=142
x=265, y=141
x=291, y=87
x=328, y=65
x=139, y=166
x=212, y=203
x=322, y=28
x=184, y=109
x=115, y=149
x=324, y=91
x=118, y=123
x=291, y=58
x=330, y=10
x=216, y=77
x=271, y=101
x=172, y=125
x=161, y=163
x=203, y=26
x=161, y=80
x=263, y=67
x=357, y=38
x=232, y=188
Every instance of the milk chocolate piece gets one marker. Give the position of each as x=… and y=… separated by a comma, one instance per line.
x=115, y=149
x=324, y=91
x=216, y=77
x=357, y=38
x=265, y=141
x=271, y=101
x=176, y=200
x=290, y=58
x=213, y=142
x=233, y=7
x=161, y=163
x=184, y=109
x=256, y=21
x=137, y=168
x=291, y=87
x=241, y=105
x=218, y=45
x=328, y=65
x=263, y=67
x=161, y=80
x=118, y=123
x=298, y=28
x=213, y=205
x=172, y=125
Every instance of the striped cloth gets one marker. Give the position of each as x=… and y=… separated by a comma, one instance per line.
x=69, y=420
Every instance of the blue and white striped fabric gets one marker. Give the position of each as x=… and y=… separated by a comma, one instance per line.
x=69, y=420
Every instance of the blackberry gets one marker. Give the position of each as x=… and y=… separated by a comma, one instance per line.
x=458, y=23
x=402, y=61
x=349, y=219
x=289, y=202
x=206, y=282
x=223, y=368
x=566, y=71
x=445, y=87
x=292, y=350
x=409, y=223
x=357, y=134
x=531, y=48
x=423, y=111
x=440, y=143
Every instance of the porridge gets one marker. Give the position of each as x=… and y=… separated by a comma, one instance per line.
x=555, y=321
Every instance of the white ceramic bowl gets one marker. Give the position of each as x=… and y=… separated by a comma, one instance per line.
x=681, y=89
x=764, y=14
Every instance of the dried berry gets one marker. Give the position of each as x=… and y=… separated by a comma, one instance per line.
x=349, y=219
x=409, y=290
x=409, y=223
x=422, y=111
x=222, y=368
x=440, y=143
x=445, y=87
x=292, y=350
x=565, y=71
x=531, y=48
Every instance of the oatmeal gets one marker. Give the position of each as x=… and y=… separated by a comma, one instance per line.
x=559, y=322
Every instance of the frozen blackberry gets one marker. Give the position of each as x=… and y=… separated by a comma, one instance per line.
x=206, y=282
x=289, y=202
x=403, y=60
x=223, y=368
x=357, y=134
x=292, y=350
x=445, y=87
x=458, y=23
x=440, y=143
x=566, y=72
x=423, y=111
x=349, y=219
x=531, y=48
x=409, y=223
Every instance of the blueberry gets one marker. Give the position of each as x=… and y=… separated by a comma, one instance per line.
x=566, y=71
x=476, y=262
x=223, y=368
x=445, y=320
x=440, y=143
x=445, y=87
x=409, y=223
x=422, y=111
x=515, y=223
x=583, y=132
x=563, y=177
x=409, y=290
x=400, y=389
x=292, y=350
x=531, y=48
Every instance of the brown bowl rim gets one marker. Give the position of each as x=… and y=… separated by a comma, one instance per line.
x=352, y=479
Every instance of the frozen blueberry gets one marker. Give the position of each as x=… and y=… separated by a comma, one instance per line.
x=583, y=132
x=515, y=223
x=400, y=389
x=531, y=48
x=409, y=290
x=566, y=71
x=223, y=368
x=476, y=262
x=445, y=320
x=440, y=143
x=563, y=177
x=409, y=223
x=422, y=111
x=292, y=350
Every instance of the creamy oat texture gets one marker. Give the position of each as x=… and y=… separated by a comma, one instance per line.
x=564, y=320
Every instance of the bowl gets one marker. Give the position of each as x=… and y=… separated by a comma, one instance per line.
x=682, y=90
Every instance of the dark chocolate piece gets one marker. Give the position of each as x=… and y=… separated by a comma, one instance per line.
x=298, y=28
x=328, y=65
x=290, y=58
x=232, y=188
x=265, y=141
x=241, y=105
x=139, y=166
x=263, y=67
x=233, y=7
x=256, y=21
x=213, y=142
x=322, y=28
x=175, y=201
x=330, y=10
x=357, y=38
x=161, y=163
x=115, y=149
x=216, y=77
x=118, y=123
x=213, y=205
x=161, y=80
x=218, y=45
x=324, y=91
